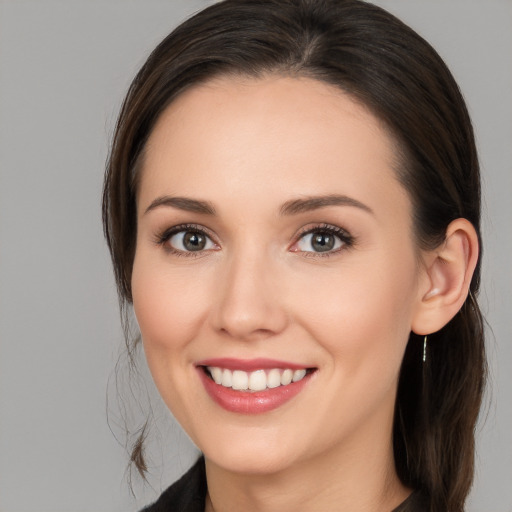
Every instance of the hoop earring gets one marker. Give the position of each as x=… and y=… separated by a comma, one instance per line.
x=424, y=349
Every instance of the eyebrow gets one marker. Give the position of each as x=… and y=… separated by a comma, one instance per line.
x=182, y=203
x=292, y=207
x=308, y=204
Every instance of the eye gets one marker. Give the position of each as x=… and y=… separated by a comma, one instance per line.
x=190, y=241
x=327, y=239
x=319, y=241
x=186, y=240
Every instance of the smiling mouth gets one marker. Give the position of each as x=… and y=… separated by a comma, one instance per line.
x=258, y=380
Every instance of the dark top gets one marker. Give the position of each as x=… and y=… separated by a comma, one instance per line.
x=188, y=494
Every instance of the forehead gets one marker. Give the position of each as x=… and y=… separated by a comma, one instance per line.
x=278, y=136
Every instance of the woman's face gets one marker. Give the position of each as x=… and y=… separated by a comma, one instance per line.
x=274, y=242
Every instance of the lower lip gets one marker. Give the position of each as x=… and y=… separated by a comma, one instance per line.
x=250, y=402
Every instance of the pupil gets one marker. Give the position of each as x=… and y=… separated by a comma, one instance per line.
x=194, y=241
x=322, y=242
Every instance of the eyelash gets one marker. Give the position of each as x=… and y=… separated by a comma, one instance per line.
x=165, y=236
x=346, y=238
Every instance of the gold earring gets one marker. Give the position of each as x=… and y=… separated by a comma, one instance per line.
x=424, y=349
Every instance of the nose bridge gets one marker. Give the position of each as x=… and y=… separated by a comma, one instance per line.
x=248, y=302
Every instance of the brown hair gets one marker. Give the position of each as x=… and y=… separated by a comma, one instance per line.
x=370, y=54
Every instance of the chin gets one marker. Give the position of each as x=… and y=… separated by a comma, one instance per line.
x=250, y=453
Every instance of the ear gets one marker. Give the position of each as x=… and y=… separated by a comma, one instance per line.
x=446, y=277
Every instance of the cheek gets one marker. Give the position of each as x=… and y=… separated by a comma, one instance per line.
x=168, y=307
x=362, y=313
x=361, y=321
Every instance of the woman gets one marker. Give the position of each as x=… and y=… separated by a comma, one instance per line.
x=292, y=205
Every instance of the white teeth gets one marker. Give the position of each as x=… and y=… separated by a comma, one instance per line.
x=226, y=378
x=216, y=374
x=298, y=375
x=240, y=380
x=274, y=378
x=258, y=380
x=286, y=377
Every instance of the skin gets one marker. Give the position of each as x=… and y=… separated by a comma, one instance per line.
x=247, y=147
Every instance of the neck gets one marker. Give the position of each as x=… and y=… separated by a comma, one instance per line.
x=342, y=479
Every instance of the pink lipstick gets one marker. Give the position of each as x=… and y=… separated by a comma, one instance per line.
x=252, y=386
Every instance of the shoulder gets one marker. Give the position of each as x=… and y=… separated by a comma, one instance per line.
x=187, y=494
x=416, y=502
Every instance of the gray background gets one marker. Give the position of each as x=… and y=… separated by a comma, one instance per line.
x=64, y=66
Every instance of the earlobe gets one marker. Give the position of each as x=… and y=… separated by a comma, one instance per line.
x=448, y=272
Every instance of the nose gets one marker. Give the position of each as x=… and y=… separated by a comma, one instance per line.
x=249, y=301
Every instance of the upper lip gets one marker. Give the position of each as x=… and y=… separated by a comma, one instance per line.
x=250, y=365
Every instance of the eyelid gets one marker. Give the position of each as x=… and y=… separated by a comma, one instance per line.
x=346, y=238
x=163, y=237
